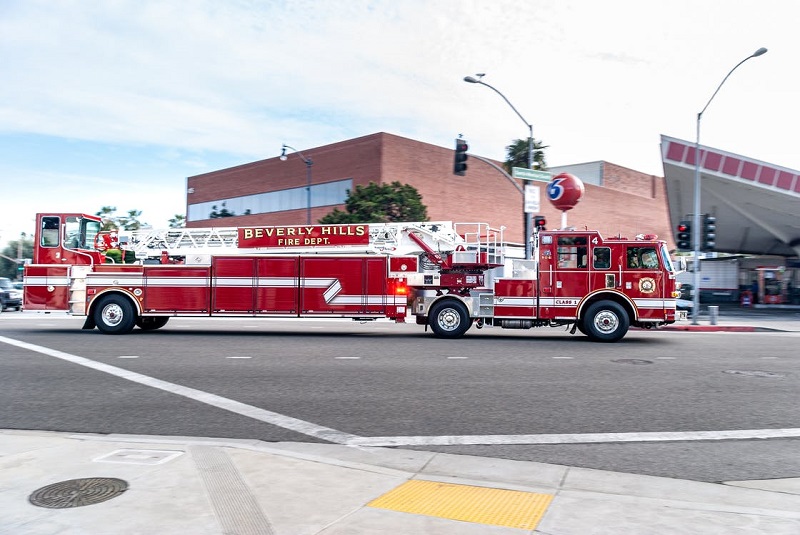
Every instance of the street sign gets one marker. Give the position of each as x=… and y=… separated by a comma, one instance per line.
x=531, y=174
x=532, y=196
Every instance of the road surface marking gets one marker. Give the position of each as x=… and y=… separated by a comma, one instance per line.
x=579, y=438
x=339, y=437
x=280, y=420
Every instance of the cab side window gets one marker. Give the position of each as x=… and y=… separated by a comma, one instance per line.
x=642, y=258
x=572, y=252
x=601, y=257
x=49, y=233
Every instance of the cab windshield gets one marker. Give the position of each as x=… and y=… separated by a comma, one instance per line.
x=665, y=259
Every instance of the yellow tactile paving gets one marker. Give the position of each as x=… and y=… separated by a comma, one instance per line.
x=497, y=507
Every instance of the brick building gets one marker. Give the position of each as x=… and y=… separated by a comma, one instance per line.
x=273, y=192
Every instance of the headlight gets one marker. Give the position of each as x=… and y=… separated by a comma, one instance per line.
x=15, y=294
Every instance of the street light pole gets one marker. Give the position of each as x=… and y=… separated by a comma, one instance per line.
x=308, y=163
x=696, y=215
x=527, y=218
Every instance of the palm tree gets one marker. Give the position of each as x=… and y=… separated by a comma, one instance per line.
x=517, y=155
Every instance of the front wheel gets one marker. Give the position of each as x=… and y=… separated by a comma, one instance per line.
x=114, y=314
x=449, y=319
x=606, y=321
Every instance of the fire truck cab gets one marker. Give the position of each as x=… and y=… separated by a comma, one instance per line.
x=449, y=275
x=600, y=286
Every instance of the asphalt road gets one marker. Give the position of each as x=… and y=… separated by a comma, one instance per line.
x=494, y=393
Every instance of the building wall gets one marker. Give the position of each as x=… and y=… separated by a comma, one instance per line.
x=589, y=173
x=629, y=203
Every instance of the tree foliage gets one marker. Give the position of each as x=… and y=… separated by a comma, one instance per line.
x=380, y=203
x=177, y=221
x=16, y=249
x=112, y=221
x=517, y=155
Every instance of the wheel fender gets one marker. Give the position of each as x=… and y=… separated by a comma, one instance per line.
x=597, y=295
x=137, y=305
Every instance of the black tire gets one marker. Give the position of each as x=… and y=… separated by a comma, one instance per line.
x=449, y=319
x=151, y=323
x=114, y=314
x=606, y=321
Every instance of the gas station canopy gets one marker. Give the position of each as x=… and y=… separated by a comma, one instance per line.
x=757, y=204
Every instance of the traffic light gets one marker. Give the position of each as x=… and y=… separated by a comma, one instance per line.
x=709, y=233
x=460, y=163
x=539, y=222
x=683, y=238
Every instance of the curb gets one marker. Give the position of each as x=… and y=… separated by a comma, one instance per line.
x=718, y=328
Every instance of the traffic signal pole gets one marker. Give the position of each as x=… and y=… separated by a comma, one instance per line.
x=696, y=214
x=527, y=217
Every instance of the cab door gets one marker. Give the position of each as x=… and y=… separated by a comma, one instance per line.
x=571, y=274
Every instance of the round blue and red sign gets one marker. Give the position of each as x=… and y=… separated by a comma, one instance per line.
x=564, y=191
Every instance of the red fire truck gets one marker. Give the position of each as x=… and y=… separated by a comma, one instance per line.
x=449, y=275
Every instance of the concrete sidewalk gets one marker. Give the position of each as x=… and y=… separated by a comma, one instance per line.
x=179, y=485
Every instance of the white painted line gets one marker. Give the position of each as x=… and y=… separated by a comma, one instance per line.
x=564, y=358
x=666, y=358
x=347, y=358
x=280, y=420
x=585, y=438
x=457, y=358
x=769, y=358
x=338, y=437
x=128, y=357
x=238, y=357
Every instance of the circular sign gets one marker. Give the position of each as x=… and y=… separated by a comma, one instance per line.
x=564, y=191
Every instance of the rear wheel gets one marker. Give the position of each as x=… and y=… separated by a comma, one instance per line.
x=151, y=323
x=606, y=321
x=449, y=319
x=114, y=314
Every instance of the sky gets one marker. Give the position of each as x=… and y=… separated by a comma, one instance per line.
x=116, y=103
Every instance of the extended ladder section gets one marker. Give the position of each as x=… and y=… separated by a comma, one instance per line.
x=462, y=243
x=177, y=242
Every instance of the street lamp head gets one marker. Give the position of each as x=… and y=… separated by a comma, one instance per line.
x=283, y=156
x=471, y=80
x=761, y=51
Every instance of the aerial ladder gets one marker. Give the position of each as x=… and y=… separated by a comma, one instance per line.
x=441, y=243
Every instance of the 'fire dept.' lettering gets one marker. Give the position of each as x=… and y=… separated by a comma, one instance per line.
x=304, y=236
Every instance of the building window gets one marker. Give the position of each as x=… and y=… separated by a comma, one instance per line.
x=328, y=194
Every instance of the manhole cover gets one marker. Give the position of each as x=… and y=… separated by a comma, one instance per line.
x=632, y=361
x=755, y=373
x=78, y=492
